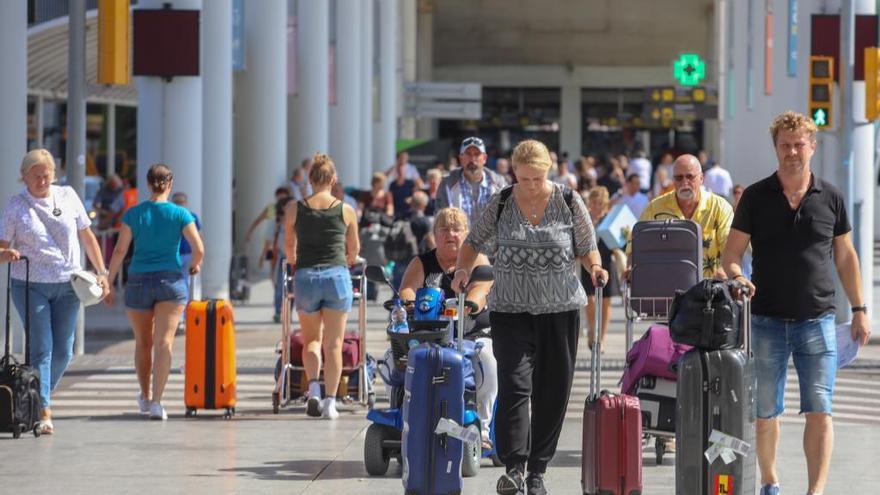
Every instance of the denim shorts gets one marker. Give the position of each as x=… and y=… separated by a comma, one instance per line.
x=144, y=290
x=813, y=347
x=320, y=287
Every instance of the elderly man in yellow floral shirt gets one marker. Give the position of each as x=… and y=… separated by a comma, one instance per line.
x=689, y=201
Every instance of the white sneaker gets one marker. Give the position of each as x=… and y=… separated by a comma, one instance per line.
x=328, y=408
x=143, y=404
x=157, y=412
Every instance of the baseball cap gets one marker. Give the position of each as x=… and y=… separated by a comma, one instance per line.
x=472, y=141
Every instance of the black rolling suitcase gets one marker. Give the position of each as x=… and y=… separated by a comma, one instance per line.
x=715, y=424
x=19, y=383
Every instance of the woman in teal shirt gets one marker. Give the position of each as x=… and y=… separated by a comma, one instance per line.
x=156, y=293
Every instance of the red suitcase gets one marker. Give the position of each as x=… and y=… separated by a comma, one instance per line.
x=612, y=442
x=351, y=350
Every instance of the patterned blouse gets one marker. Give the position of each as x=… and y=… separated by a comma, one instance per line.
x=535, y=264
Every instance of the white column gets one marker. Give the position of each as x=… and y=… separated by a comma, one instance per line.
x=570, y=127
x=39, y=122
x=425, y=128
x=345, y=116
x=312, y=77
x=217, y=147
x=384, y=139
x=169, y=122
x=408, y=42
x=367, y=67
x=261, y=114
x=111, y=139
x=864, y=179
x=13, y=105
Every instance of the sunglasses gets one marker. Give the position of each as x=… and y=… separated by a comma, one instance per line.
x=680, y=178
x=472, y=141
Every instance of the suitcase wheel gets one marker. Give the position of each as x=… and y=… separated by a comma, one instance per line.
x=37, y=431
x=276, y=403
x=190, y=412
x=16, y=431
x=230, y=412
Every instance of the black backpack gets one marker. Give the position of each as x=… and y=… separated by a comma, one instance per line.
x=400, y=245
x=505, y=193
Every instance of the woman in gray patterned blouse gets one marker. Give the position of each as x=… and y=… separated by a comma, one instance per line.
x=537, y=237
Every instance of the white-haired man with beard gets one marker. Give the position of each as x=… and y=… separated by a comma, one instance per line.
x=690, y=201
x=470, y=187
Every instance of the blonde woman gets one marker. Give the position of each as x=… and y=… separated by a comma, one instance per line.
x=321, y=242
x=598, y=204
x=542, y=231
x=49, y=225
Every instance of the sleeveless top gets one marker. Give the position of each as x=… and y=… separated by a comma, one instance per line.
x=436, y=277
x=320, y=235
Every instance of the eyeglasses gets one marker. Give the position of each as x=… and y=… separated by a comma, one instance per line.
x=680, y=178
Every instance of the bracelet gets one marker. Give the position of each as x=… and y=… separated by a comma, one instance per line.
x=739, y=276
x=595, y=264
x=103, y=273
x=459, y=270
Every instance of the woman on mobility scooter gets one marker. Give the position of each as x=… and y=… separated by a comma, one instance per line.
x=435, y=268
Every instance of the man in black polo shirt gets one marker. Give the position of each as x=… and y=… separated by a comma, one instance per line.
x=798, y=226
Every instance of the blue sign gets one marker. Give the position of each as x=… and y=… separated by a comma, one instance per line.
x=792, y=37
x=238, y=62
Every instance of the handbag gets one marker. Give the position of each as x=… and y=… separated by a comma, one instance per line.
x=84, y=282
x=706, y=316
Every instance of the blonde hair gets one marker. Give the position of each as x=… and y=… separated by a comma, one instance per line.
x=36, y=157
x=378, y=177
x=532, y=153
x=323, y=170
x=598, y=194
x=450, y=217
x=433, y=173
x=793, y=121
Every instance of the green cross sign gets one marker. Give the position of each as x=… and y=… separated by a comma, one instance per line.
x=689, y=69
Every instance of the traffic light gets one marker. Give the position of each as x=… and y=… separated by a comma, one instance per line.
x=872, y=83
x=821, y=90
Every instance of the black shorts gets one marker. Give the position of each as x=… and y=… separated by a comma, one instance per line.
x=612, y=288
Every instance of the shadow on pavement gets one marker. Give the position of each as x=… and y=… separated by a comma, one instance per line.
x=305, y=470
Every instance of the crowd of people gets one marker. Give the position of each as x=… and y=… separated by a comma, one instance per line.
x=533, y=216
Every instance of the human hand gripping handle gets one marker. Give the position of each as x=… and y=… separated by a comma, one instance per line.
x=599, y=275
x=460, y=280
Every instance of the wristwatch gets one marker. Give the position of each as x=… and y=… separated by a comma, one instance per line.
x=104, y=273
x=863, y=308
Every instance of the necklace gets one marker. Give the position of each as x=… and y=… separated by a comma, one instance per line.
x=55, y=210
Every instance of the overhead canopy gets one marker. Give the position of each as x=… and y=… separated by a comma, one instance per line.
x=47, y=64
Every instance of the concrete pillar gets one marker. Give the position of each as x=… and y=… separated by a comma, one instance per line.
x=312, y=78
x=570, y=125
x=261, y=113
x=76, y=98
x=13, y=109
x=217, y=147
x=367, y=71
x=111, y=139
x=386, y=135
x=425, y=128
x=169, y=120
x=864, y=178
x=408, y=41
x=38, y=121
x=345, y=115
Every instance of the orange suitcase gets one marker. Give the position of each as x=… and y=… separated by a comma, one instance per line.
x=210, y=357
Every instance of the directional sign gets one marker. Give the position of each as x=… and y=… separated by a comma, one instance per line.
x=689, y=69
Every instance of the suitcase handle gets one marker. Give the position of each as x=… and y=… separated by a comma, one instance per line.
x=596, y=355
x=27, y=311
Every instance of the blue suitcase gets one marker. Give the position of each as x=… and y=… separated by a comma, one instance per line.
x=434, y=387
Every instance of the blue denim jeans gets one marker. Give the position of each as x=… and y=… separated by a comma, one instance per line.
x=813, y=346
x=323, y=287
x=53, y=311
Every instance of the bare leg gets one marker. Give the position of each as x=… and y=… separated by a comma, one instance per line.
x=311, y=353
x=606, y=319
x=818, y=444
x=334, y=329
x=767, y=432
x=167, y=318
x=142, y=326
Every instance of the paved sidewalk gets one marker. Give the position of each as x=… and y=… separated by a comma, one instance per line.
x=103, y=446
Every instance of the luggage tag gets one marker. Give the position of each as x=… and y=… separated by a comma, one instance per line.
x=455, y=430
x=725, y=446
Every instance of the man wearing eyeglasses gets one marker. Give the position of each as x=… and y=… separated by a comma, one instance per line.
x=470, y=186
x=690, y=201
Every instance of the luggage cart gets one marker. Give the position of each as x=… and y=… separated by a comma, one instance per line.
x=282, y=396
x=650, y=310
